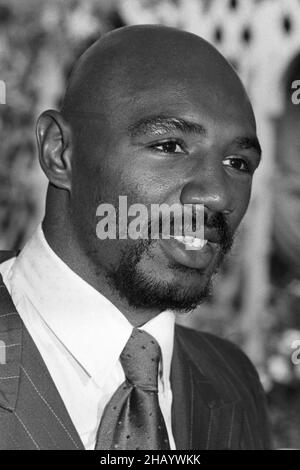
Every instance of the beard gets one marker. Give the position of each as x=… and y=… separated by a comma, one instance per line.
x=141, y=289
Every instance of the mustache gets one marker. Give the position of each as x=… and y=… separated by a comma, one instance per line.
x=216, y=228
x=224, y=235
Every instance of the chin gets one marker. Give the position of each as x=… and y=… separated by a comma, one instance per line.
x=151, y=282
x=175, y=291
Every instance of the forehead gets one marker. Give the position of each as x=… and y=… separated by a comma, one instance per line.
x=191, y=98
x=125, y=84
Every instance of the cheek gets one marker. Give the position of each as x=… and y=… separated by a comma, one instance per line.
x=84, y=200
x=110, y=251
x=242, y=198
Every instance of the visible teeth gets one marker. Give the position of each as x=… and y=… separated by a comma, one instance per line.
x=191, y=243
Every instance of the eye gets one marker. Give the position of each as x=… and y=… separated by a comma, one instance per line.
x=238, y=163
x=169, y=146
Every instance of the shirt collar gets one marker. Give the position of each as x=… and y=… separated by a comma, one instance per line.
x=88, y=325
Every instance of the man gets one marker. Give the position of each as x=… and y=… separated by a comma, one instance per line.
x=93, y=357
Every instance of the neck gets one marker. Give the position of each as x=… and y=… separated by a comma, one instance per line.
x=60, y=238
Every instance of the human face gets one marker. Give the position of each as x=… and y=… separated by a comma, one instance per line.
x=168, y=137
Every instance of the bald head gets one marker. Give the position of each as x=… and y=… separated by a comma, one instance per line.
x=136, y=62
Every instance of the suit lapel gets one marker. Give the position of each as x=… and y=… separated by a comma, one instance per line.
x=37, y=417
x=203, y=417
x=10, y=350
x=39, y=399
x=182, y=403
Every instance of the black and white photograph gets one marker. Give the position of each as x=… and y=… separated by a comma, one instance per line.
x=150, y=228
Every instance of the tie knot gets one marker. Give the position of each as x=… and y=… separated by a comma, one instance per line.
x=140, y=360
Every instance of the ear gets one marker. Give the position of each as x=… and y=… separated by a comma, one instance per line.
x=55, y=150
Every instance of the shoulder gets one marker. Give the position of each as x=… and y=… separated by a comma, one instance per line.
x=216, y=344
x=229, y=368
x=220, y=353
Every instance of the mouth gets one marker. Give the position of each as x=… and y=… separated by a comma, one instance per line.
x=190, y=242
x=192, y=252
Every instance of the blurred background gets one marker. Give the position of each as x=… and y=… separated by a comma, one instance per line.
x=256, y=302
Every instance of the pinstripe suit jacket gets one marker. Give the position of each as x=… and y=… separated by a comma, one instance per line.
x=218, y=402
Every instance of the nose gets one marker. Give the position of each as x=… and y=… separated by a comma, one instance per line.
x=211, y=189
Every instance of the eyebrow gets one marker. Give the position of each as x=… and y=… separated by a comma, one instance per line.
x=248, y=143
x=158, y=125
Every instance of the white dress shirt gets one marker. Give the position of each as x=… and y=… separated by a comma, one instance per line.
x=80, y=334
